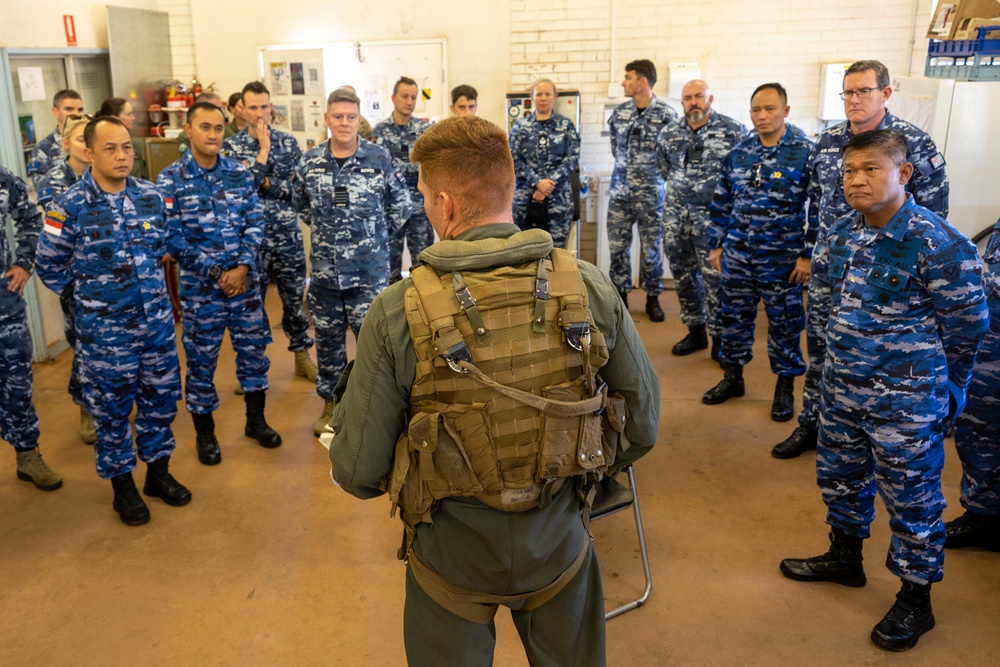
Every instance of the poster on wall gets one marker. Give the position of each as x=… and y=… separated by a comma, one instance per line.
x=279, y=115
x=32, y=84
x=278, y=78
x=371, y=105
x=298, y=115
x=314, y=78
x=298, y=79
x=316, y=118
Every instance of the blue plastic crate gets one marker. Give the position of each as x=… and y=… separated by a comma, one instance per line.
x=965, y=59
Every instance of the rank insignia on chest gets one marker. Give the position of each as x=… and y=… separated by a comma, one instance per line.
x=777, y=174
x=146, y=225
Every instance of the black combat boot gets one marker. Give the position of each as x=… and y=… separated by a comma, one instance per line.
x=256, y=427
x=841, y=564
x=624, y=295
x=802, y=440
x=128, y=503
x=973, y=530
x=783, y=406
x=696, y=340
x=206, y=444
x=716, y=345
x=906, y=620
x=653, y=308
x=730, y=387
x=161, y=484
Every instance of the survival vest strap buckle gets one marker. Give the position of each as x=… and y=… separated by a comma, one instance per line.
x=577, y=334
x=456, y=353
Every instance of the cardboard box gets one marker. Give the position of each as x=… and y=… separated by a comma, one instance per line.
x=951, y=17
x=969, y=29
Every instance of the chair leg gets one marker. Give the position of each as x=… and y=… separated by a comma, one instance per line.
x=635, y=604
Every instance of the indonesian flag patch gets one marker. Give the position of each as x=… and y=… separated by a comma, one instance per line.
x=169, y=201
x=54, y=222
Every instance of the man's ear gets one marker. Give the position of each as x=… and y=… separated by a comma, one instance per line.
x=905, y=172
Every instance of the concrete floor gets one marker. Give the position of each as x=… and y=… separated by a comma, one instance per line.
x=271, y=564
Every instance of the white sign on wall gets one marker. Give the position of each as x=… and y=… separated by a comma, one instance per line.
x=32, y=85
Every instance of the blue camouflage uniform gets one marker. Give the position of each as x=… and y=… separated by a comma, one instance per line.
x=690, y=161
x=399, y=140
x=977, y=431
x=107, y=249
x=929, y=187
x=759, y=220
x=18, y=419
x=282, y=255
x=50, y=185
x=352, y=211
x=214, y=218
x=545, y=149
x=637, y=192
x=44, y=155
x=907, y=315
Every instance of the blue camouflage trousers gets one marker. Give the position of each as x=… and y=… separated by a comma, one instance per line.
x=745, y=280
x=977, y=431
x=69, y=330
x=623, y=212
x=418, y=234
x=334, y=311
x=859, y=453
x=560, y=210
x=143, y=372
x=207, y=315
x=685, y=242
x=18, y=419
x=282, y=256
x=818, y=305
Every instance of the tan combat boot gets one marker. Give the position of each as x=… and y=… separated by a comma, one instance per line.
x=320, y=425
x=31, y=468
x=304, y=366
x=87, y=432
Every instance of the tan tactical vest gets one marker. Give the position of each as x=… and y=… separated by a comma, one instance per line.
x=506, y=402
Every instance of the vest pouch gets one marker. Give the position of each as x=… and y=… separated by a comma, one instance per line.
x=570, y=445
x=615, y=416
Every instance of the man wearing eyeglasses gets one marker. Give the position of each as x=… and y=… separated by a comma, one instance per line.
x=761, y=248
x=866, y=91
x=690, y=152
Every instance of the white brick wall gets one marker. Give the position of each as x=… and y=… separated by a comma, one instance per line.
x=184, y=65
x=737, y=44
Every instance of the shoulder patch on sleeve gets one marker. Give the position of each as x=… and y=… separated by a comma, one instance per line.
x=54, y=223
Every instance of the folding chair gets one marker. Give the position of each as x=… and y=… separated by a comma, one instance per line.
x=612, y=497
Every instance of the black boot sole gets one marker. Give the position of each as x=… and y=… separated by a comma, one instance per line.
x=248, y=432
x=210, y=460
x=153, y=492
x=781, y=416
x=899, y=647
x=855, y=581
x=719, y=400
x=784, y=455
x=132, y=520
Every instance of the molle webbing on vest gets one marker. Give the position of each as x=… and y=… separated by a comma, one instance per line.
x=506, y=400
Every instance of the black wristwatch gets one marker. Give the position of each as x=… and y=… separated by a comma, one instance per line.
x=215, y=272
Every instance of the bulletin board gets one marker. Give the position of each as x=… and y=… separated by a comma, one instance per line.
x=301, y=76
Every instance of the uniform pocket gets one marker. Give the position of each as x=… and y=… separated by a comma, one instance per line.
x=888, y=291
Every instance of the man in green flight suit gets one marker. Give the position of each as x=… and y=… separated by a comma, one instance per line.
x=508, y=365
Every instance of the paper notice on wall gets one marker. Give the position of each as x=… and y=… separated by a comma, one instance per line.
x=316, y=118
x=298, y=79
x=314, y=78
x=279, y=78
x=32, y=84
x=298, y=112
x=371, y=105
x=279, y=116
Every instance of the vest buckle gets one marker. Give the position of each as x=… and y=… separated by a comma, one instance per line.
x=456, y=353
x=577, y=334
